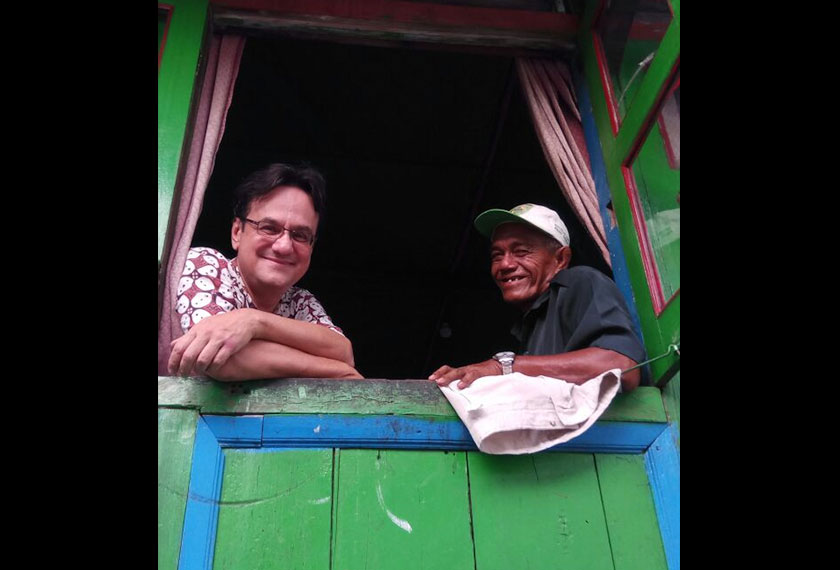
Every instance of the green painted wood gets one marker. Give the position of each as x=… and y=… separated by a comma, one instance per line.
x=275, y=510
x=538, y=511
x=305, y=396
x=176, y=434
x=176, y=79
x=658, y=331
x=317, y=395
x=671, y=397
x=644, y=404
x=630, y=513
x=402, y=509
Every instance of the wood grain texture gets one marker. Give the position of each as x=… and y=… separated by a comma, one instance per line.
x=402, y=509
x=662, y=464
x=176, y=433
x=538, y=511
x=315, y=396
x=630, y=513
x=275, y=510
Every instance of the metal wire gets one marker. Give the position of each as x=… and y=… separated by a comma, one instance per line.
x=671, y=348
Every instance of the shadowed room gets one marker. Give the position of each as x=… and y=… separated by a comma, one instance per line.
x=413, y=143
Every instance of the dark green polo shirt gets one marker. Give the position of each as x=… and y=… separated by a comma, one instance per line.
x=581, y=308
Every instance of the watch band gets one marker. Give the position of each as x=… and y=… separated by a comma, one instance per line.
x=505, y=358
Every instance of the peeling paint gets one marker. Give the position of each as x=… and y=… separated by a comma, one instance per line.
x=317, y=429
x=301, y=392
x=320, y=501
x=403, y=524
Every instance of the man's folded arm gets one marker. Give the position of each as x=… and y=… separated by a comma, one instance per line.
x=261, y=359
x=578, y=366
x=312, y=338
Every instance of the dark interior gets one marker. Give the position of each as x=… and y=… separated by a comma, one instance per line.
x=413, y=144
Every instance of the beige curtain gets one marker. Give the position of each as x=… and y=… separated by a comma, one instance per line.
x=223, y=57
x=548, y=89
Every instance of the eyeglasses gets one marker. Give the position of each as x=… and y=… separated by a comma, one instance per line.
x=273, y=231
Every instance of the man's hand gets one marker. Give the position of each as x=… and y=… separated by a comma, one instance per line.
x=211, y=342
x=445, y=375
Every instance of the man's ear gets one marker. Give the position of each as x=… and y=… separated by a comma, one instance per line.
x=564, y=257
x=235, y=233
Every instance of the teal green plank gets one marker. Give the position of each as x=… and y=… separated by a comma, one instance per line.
x=644, y=404
x=316, y=396
x=630, y=512
x=176, y=433
x=176, y=79
x=275, y=510
x=538, y=511
x=402, y=509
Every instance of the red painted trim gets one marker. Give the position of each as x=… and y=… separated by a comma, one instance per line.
x=669, y=150
x=603, y=68
x=400, y=11
x=652, y=114
x=170, y=10
x=648, y=261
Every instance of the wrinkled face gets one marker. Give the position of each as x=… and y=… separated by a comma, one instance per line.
x=270, y=266
x=522, y=264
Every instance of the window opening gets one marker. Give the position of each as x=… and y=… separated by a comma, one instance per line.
x=403, y=137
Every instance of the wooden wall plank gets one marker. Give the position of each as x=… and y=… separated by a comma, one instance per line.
x=406, y=397
x=275, y=510
x=538, y=511
x=630, y=513
x=402, y=509
x=176, y=434
x=662, y=463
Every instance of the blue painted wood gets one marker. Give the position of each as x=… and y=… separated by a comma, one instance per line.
x=202, y=512
x=662, y=463
x=614, y=437
x=394, y=432
x=372, y=432
x=236, y=431
x=602, y=188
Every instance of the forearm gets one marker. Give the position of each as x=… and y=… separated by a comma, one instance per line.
x=579, y=366
x=312, y=338
x=261, y=359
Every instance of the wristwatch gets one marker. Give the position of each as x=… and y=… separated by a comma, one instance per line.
x=506, y=360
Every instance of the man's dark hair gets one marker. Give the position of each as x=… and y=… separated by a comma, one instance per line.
x=263, y=181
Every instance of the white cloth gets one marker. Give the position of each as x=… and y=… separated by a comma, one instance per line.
x=515, y=414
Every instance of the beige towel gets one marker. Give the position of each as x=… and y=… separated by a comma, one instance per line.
x=515, y=414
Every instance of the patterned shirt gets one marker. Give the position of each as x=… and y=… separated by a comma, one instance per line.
x=210, y=284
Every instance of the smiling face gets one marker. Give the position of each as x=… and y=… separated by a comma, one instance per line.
x=270, y=266
x=523, y=263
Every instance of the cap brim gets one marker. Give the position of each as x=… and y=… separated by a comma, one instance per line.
x=487, y=221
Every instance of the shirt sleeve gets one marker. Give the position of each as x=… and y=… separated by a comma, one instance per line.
x=305, y=307
x=597, y=316
x=206, y=287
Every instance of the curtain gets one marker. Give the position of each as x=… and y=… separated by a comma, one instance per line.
x=548, y=90
x=222, y=67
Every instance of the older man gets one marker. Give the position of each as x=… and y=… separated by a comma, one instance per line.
x=244, y=318
x=574, y=325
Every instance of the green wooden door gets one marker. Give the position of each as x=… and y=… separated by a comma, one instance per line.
x=330, y=504
x=355, y=509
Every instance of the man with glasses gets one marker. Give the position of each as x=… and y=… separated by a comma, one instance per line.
x=244, y=318
x=574, y=325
